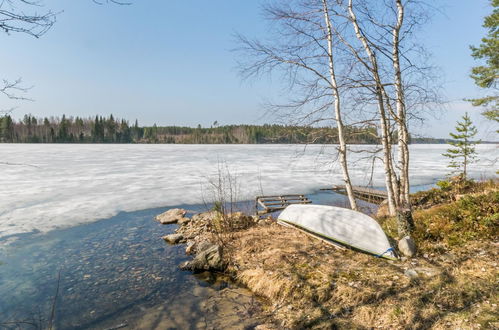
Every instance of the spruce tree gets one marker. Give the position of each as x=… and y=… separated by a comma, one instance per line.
x=463, y=152
x=487, y=75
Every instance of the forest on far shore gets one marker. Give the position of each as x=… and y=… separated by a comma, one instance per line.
x=112, y=130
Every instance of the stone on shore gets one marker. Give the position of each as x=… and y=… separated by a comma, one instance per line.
x=407, y=247
x=191, y=248
x=171, y=216
x=173, y=238
x=183, y=221
x=411, y=273
x=208, y=257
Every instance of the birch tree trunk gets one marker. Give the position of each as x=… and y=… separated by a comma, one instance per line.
x=385, y=134
x=337, y=110
x=403, y=134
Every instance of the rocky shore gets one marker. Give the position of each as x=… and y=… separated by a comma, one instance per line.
x=202, y=237
x=306, y=283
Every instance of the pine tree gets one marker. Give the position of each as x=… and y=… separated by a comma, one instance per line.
x=463, y=152
x=487, y=75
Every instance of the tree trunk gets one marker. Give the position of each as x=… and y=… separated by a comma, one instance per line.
x=405, y=221
x=403, y=135
x=337, y=110
x=385, y=134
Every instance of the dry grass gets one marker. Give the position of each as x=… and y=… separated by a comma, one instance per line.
x=310, y=284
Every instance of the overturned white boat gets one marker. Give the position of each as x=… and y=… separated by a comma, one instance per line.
x=339, y=225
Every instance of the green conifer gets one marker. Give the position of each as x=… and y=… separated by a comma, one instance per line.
x=463, y=152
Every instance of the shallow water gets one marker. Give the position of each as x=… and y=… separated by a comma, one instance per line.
x=112, y=272
x=119, y=272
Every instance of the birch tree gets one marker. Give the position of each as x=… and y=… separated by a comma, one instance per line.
x=364, y=58
x=386, y=50
x=24, y=17
x=305, y=51
x=372, y=66
x=20, y=16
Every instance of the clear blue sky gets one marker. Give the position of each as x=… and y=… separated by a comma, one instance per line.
x=169, y=62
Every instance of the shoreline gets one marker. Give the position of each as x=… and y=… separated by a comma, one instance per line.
x=316, y=195
x=252, y=268
x=300, y=290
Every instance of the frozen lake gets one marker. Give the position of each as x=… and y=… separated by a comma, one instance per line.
x=45, y=187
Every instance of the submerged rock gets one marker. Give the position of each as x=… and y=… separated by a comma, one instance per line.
x=171, y=216
x=173, y=238
x=208, y=257
x=407, y=247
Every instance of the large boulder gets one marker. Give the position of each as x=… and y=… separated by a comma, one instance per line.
x=171, y=216
x=208, y=257
x=407, y=247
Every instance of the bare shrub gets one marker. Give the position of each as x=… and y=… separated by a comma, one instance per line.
x=224, y=196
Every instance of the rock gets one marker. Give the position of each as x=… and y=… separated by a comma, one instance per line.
x=173, y=238
x=171, y=216
x=191, y=248
x=204, y=217
x=208, y=257
x=265, y=327
x=427, y=271
x=183, y=221
x=204, y=245
x=411, y=273
x=239, y=220
x=407, y=247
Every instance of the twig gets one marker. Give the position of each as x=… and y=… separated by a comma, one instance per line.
x=52, y=313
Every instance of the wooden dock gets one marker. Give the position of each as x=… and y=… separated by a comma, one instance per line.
x=268, y=204
x=366, y=194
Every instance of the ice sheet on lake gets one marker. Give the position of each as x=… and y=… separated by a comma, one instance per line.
x=65, y=185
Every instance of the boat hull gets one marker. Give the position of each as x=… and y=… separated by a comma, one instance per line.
x=339, y=225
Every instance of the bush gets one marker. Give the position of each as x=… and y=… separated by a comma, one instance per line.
x=444, y=185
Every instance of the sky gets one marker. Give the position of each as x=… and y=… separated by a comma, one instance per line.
x=170, y=63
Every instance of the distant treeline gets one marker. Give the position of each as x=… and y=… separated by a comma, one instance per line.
x=99, y=129
x=111, y=130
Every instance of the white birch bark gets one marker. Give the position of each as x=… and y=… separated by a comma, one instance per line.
x=385, y=139
x=337, y=110
x=403, y=134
